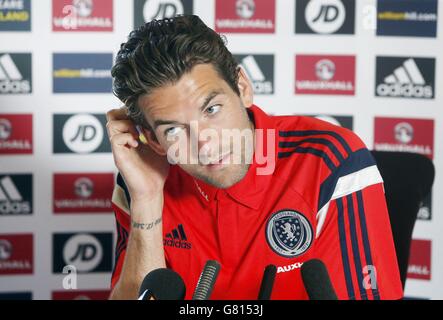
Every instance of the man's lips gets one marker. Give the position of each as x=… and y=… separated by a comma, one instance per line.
x=220, y=161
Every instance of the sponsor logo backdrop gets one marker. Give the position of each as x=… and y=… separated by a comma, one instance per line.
x=368, y=65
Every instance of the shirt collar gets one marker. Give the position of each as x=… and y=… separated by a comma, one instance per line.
x=250, y=191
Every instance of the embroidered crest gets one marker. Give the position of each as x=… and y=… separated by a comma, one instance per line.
x=289, y=233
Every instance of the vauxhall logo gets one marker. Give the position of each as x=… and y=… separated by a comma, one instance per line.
x=82, y=15
x=5, y=249
x=5, y=129
x=16, y=254
x=245, y=8
x=83, y=187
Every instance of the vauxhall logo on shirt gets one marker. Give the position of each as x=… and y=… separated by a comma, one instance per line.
x=409, y=77
x=80, y=133
x=16, y=194
x=147, y=10
x=87, y=252
x=15, y=73
x=325, y=16
x=260, y=69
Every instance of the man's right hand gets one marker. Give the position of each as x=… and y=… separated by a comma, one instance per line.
x=143, y=170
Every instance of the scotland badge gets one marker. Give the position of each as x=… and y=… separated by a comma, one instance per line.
x=289, y=233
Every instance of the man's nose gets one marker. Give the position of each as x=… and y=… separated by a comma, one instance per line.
x=207, y=140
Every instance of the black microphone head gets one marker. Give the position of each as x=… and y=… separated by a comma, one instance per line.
x=316, y=280
x=163, y=284
x=206, y=281
x=267, y=282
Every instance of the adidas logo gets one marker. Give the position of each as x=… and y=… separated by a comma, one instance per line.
x=11, y=80
x=260, y=83
x=11, y=201
x=177, y=238
x=406, y=81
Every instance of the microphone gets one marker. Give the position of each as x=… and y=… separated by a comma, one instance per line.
x=316, y=280
x=162, y=284
x=206, y=281
x=267, y=282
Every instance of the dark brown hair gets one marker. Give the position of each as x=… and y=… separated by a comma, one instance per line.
x=160, y=52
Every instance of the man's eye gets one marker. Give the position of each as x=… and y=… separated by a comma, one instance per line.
x=213, y=109
x=172, y=131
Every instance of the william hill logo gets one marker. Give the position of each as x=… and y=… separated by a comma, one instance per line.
x=177, y=238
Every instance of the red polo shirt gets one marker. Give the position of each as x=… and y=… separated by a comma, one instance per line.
x=324, y=200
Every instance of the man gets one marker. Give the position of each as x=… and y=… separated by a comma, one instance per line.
x=302, y=188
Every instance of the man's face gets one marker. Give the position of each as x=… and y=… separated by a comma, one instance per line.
x=203, y=121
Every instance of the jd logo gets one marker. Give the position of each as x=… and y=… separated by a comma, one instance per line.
x=83, y=251
x=160, y=9
x=325, y=16
x=83, y=133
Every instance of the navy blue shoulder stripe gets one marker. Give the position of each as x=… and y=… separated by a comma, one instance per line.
x=122, y=184
x=355, y=247
x=365, y=237
x=122, y=239
x=327, y=143
x=356, y=161
x=306, y=133
x=344, y=249
x=313, y=151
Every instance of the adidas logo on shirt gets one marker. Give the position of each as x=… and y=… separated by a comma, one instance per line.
x=407, y=78
x=177, y=238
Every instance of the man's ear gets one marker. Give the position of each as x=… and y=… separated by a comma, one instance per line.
x=153, y=142
x=245, y=88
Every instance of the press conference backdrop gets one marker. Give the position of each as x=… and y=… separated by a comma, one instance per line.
x=371, y=66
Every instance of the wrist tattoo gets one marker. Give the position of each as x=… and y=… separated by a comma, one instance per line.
x=145, y=226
